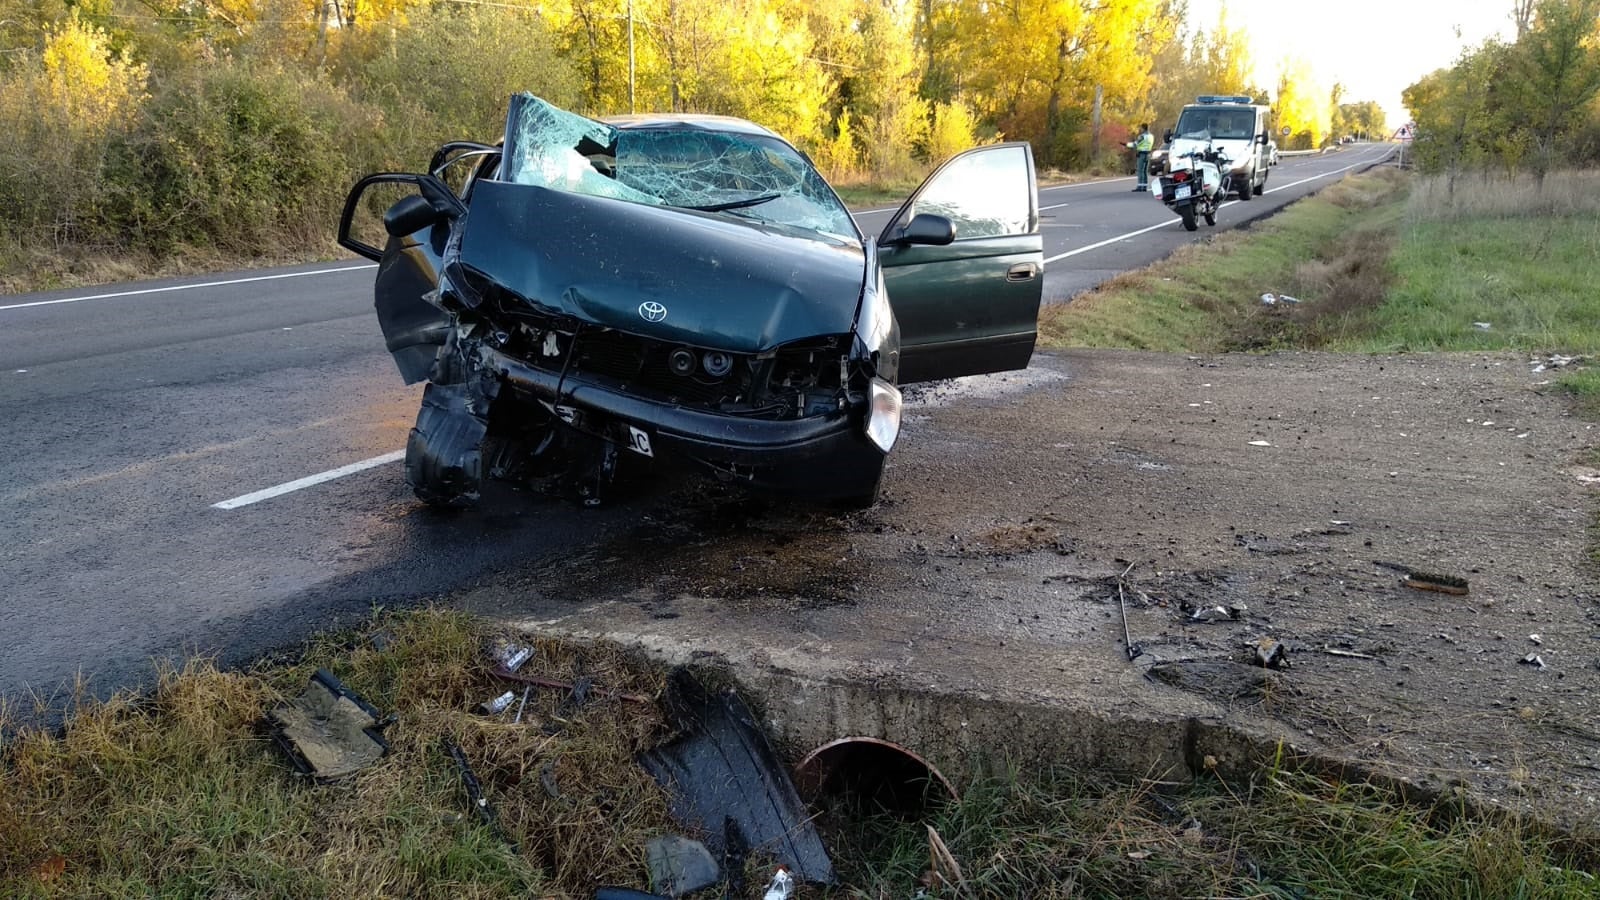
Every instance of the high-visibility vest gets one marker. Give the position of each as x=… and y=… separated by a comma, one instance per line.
x=1146, y=142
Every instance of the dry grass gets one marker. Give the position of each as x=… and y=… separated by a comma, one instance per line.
x=39, y=268
x=178, y=793
x=1486, y=195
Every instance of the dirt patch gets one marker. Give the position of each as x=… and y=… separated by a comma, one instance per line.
x=1290, y=490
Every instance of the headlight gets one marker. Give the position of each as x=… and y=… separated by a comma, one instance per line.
x=883, y=415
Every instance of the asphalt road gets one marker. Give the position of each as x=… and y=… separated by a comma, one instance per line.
x=152, y=496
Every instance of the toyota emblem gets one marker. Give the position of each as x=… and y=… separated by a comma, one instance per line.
x=652, y=311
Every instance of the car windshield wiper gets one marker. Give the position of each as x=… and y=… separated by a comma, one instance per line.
x=735, y=204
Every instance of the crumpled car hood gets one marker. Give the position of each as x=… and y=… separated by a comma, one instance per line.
x=711, y=281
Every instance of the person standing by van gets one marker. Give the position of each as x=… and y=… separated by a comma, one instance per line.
x=1142, y=145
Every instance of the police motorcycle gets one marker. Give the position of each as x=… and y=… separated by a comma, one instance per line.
x=1193, y=184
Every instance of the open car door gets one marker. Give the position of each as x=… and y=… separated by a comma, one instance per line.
x=417, y=214
x=970, y=304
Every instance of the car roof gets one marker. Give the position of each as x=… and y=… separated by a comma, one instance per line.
x=687, y=122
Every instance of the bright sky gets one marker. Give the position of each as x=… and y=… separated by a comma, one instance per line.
x=1375, y=48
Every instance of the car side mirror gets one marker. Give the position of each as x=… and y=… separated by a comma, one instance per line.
x=1168, y=136
x=440, y=203
x=929, y=229
x=410, y=215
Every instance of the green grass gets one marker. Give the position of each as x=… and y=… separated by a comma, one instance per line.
x=1292, y=836
x=1327, y=251
x=1533, y=281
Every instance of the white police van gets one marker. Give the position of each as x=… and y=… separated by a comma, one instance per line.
x=1236, y=127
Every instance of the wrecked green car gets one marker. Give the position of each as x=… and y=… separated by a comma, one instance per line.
x=586, y=297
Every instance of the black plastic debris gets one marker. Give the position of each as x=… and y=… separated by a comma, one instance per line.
x=328, y=731
x=724, y=779
x=680, y=866
x=469, y=783
x=1270, y=654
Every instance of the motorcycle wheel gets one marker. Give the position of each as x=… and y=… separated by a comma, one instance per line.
x=1211, y=217
x=1187, y=214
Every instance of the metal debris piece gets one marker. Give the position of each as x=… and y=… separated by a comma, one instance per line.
x=781, y=887
x=1285, y=298
x=1269, y=299
x=517, y=719
x=1483, y=326
x=1334, y=651
x=679, y=865
x=494, y=706
x=328, y=731
x=570, y=687
x=1433, y=581
x=1537, y=640
x=1211, y=614
x=725, y=780
x=512, y=656
x=1271, y=654
x=1533, y=659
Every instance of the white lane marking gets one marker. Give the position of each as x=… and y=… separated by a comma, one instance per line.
x=188, y=287
x=1123, y=237
x=309, y=480
x=1053, y=187
x=1053, y=206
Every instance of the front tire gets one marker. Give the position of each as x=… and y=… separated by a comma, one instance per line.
x=1249, y=188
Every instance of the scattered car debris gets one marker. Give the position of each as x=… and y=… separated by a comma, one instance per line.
x=1270, y=654
x=781, y=887
x=1483, y=326
x=328, y=731
x=1285, y=298
x=1433, y=581
x=587, y=685
x=494, y=706
x=522, y=705
x=1555, y=361
x=510, y=657
x=1535, y=660
x=725, y=780
x=680, y=865
x=1269, y=299
x=1335, y=651
x=1537, y=639
x=1261, y=443
x=469, y=783
x=1213, y=614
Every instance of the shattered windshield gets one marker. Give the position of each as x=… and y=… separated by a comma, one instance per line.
x=750, y=176
x=1220, y=124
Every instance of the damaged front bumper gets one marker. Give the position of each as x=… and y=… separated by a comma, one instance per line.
x=826, y=456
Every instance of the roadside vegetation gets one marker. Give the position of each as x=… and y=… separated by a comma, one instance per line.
x=1380, y=262
x=157, y=136
x=178, y=793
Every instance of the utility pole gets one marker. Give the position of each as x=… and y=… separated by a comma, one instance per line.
x=631, y=110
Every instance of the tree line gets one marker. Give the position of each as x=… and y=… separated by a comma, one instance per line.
x=1524, y=104
x=233, y=123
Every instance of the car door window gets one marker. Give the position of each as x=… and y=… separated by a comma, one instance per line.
x=983, y=194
